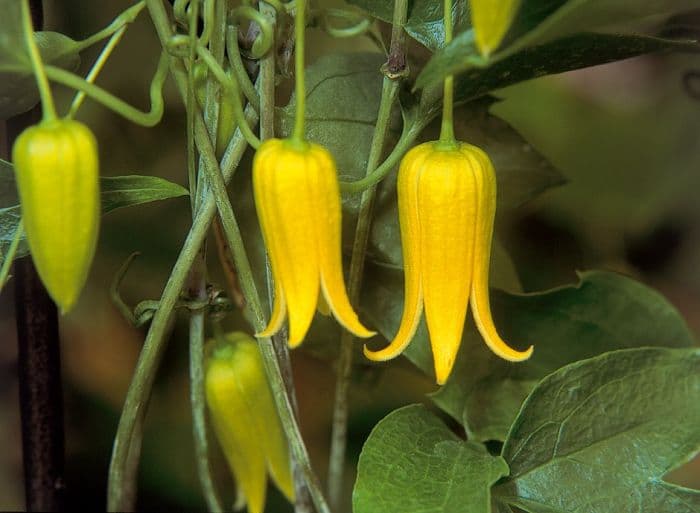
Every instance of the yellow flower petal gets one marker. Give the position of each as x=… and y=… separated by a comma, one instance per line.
x=230, y=412
x=447, y=203
x=486, y=178
x=284, y=191
x=328, y=210
x=407, y=191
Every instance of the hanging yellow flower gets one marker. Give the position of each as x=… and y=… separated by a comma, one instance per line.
x=245, y=420
x=298, y=203
x=447, y=203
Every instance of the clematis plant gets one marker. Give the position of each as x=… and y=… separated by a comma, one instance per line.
x=328, y=190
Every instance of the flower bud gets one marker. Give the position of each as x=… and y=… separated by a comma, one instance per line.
x=57, y=173
x=491, y=20
x=447, y=204
x=245, y=420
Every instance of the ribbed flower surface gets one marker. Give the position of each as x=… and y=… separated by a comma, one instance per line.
x=447, y=204
x=298, y=203
x=57, y=172
x=242, y=411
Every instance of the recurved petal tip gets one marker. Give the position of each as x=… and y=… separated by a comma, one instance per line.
x=391, y=351
x=508, y=353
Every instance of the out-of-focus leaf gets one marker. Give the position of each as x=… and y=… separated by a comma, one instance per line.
x=18, y=91
x=549, y=25
x=600, y=435
x=478, y=76
x=425, y=18
x=414, y=464
x=603, y=312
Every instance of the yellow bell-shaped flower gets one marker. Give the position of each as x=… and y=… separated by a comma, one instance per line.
x=243, y=414
x=298, y=202
x=447, y=204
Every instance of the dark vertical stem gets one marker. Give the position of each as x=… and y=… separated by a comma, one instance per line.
x=40, y=394
x=39, y=365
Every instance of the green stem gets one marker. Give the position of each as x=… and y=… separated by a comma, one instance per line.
x=447, y=132
x=47, y=105
x=192, y=105
x=390, y=89
x=298, y=134
x=230, y=87
x=236, y=63
x=96, y=69
x=11, y=252
x=197, y=394
x=129, y=433
x=122, y=475
x=126, y=17
x=113, y=103
x=256, y=316
x=408, y=137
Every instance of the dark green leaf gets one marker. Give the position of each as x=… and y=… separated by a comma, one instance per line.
x=425, y=19
x=599, y=435
x=18, y=91
x=413, y=463
x=605, y=311
x=544, y=20
x=478, y=76
x=116, y=192
x=539, y=22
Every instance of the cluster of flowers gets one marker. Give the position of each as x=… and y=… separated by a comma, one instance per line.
x=447, y=204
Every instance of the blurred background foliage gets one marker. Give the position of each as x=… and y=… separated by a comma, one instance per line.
x=624, y=135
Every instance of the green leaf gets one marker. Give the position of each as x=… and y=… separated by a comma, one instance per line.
x=540, y=21
x=479, y=76
x=129, y=190
x=425, y=18
x=413, y=463
x=599, y=436
x=603, y=312
x=18, y=91
x=116, y=192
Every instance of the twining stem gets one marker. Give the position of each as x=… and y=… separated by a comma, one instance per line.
x=447, y=132
x=197, y=396
x=197, y=286
x=96, y=69
x=147, y=119
x=47, y=105
x=404, y=143
x=126, y=17
x=128, y=439
x=129, y=433
x=390, y=88
x=299, y=83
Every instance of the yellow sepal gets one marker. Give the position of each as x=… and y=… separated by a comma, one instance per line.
x=245, y=420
